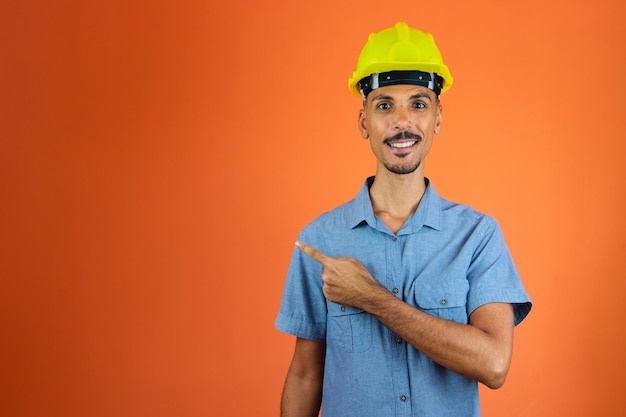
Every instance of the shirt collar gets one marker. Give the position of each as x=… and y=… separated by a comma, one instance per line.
x=428, y=212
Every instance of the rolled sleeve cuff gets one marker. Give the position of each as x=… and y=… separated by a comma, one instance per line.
x=521, y=305
x=310, y=331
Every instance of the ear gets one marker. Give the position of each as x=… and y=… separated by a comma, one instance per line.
x=363, y=124
x=439, y=119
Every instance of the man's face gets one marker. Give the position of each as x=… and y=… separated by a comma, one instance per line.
x=400, y=122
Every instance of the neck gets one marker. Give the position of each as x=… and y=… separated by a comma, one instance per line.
x=396, y=197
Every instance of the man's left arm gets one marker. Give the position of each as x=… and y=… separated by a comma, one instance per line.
x=480, y=350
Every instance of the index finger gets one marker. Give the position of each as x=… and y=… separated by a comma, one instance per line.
x=313, y=253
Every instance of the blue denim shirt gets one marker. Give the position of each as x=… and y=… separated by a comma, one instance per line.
x=447, y=260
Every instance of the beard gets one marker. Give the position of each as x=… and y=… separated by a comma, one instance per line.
x=402, y=169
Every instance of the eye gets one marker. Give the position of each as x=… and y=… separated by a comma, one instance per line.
x=419, y=105
x=383, y=105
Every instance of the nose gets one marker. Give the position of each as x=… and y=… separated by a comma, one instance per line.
x=401, y=120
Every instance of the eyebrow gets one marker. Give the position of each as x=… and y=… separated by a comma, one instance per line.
x=382, y=97
x=420, y=95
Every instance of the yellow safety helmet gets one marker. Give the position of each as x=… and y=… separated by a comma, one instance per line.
x=400, y=55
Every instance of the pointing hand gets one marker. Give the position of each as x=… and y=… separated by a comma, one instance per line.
x=345, y=280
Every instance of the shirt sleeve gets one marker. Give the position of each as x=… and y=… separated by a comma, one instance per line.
x=492, y=274
x=303, y=307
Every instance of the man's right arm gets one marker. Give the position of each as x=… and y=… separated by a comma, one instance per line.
x=302, y=393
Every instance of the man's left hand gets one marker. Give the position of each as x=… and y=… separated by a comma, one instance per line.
x=345, y=280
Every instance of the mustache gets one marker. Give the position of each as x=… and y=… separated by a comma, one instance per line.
x=403, y=135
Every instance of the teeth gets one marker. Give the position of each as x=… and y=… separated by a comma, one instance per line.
x=402, y=144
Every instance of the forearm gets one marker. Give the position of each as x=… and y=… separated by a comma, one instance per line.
x=302, y=393
x=301, y=396
x=464, y=348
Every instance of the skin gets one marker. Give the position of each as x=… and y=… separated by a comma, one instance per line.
x=481, y=349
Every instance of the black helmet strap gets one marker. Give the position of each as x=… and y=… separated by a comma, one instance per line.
x=383, y=79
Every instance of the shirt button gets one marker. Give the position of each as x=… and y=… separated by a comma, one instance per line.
x=403, y=398
x=443, y=302
x=398, y=340
x=343, y=308
x=394, y=238
x=395, y=290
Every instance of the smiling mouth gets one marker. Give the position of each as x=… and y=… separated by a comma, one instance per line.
x=400, y=145
x=403, y=140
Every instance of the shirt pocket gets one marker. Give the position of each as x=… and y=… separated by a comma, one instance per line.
x=349, y=328
x=445, y=301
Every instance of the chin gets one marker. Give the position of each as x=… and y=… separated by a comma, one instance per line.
x=402, y=169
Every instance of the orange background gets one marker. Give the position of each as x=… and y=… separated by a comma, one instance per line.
x=157, y=160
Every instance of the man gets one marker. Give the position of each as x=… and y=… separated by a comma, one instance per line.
x=400, y=300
